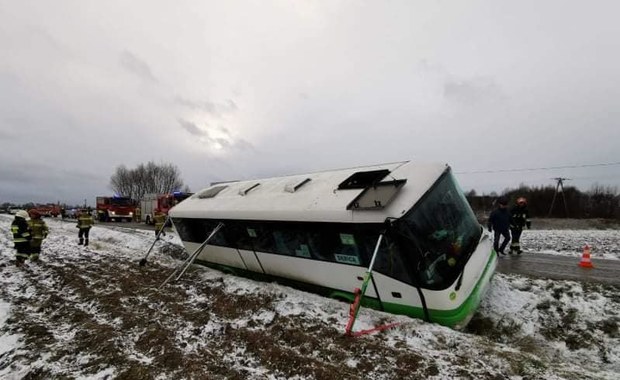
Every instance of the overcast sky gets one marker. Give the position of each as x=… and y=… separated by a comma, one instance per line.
x=247, y=89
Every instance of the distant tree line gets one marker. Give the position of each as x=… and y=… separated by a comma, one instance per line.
x=598, y=202
x=146, y=179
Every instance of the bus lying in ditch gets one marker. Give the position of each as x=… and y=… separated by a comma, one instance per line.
x=318, y=232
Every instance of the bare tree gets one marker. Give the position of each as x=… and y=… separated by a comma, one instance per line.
x=144, y=179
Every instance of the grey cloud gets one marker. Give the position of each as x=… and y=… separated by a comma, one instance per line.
x=242, y=144
x=232, y=106
x=31, y=173
x=227, y=141
x=215, y=109
x=222, y=141
x=136, y=66
x=192, y=128
x=6, y=135
x=473, y=91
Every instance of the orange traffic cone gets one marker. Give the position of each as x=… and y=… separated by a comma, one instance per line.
x=585, y=258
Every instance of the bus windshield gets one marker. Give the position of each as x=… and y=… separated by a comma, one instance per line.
x=437, y=236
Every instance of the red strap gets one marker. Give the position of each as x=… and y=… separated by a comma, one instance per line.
x=378, y=328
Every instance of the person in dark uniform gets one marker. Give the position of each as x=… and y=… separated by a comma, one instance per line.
x=21, y=237
x=520, y=219
x=499, y=223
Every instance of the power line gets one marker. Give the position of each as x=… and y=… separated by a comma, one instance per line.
x=541, y=168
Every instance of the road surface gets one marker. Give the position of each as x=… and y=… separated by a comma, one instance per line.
x=560, y=267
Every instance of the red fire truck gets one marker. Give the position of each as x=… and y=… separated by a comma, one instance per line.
x=47, y=210
x=115, y=208
x=154, y=203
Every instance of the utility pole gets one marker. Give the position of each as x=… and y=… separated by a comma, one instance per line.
x=559, y=188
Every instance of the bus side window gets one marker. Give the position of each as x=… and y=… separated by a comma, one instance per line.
x=346, y=251
x=286, y=242
x=263, y=241
x=219, y=238
x=316, y=243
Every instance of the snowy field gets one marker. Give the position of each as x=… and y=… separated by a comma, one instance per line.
x=94, y=313
x=602, y=243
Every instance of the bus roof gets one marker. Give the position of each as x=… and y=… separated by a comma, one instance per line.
x=366, y=194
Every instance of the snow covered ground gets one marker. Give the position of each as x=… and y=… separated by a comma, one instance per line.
x=602, y=243
x=94, y=313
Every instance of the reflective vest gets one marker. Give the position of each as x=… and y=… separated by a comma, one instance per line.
x=159, y=220
x=85, y=221
x=38, y=230
x=20, y=230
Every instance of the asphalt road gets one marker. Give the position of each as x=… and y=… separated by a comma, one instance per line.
x=140, y=226
x=560, y=267
x=531, y=264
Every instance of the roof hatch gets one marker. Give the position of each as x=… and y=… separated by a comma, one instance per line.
x=211, y=192
x=362, y=180
x=377, y=196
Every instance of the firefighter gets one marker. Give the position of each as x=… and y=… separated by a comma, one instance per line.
x=137, y=214
x=159, y=219
x=85, y=222
x=21, y=237
x=520, y=219
x=39, y=232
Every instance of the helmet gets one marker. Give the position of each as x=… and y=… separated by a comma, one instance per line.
x=503, y=200
x=34, y=214
x=22, y=214
x=521, y=201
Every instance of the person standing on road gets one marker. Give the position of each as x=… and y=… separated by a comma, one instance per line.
x=499, y=223
x=39, y=232
x=85, y=222
x=21, y=237
x=520, y=219
x=159, y=219
x=137, y=217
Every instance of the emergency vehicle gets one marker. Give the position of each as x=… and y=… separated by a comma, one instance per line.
x=159, y=203
x=115, y=208
x=47, y=210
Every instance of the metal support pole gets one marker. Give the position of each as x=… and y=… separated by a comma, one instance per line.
x=190, y=260
x=143, y=261
x=356, y=304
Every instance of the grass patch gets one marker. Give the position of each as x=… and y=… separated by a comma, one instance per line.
x=503, y=331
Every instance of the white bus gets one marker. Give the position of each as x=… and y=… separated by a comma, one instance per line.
x=318, y=231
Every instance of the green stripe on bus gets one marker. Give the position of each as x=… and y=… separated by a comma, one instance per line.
x=450, y=318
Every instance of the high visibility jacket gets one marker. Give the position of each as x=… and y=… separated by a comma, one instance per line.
x=21, y=231
x=85, y=221
x=159, y=220
x=38, y=230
